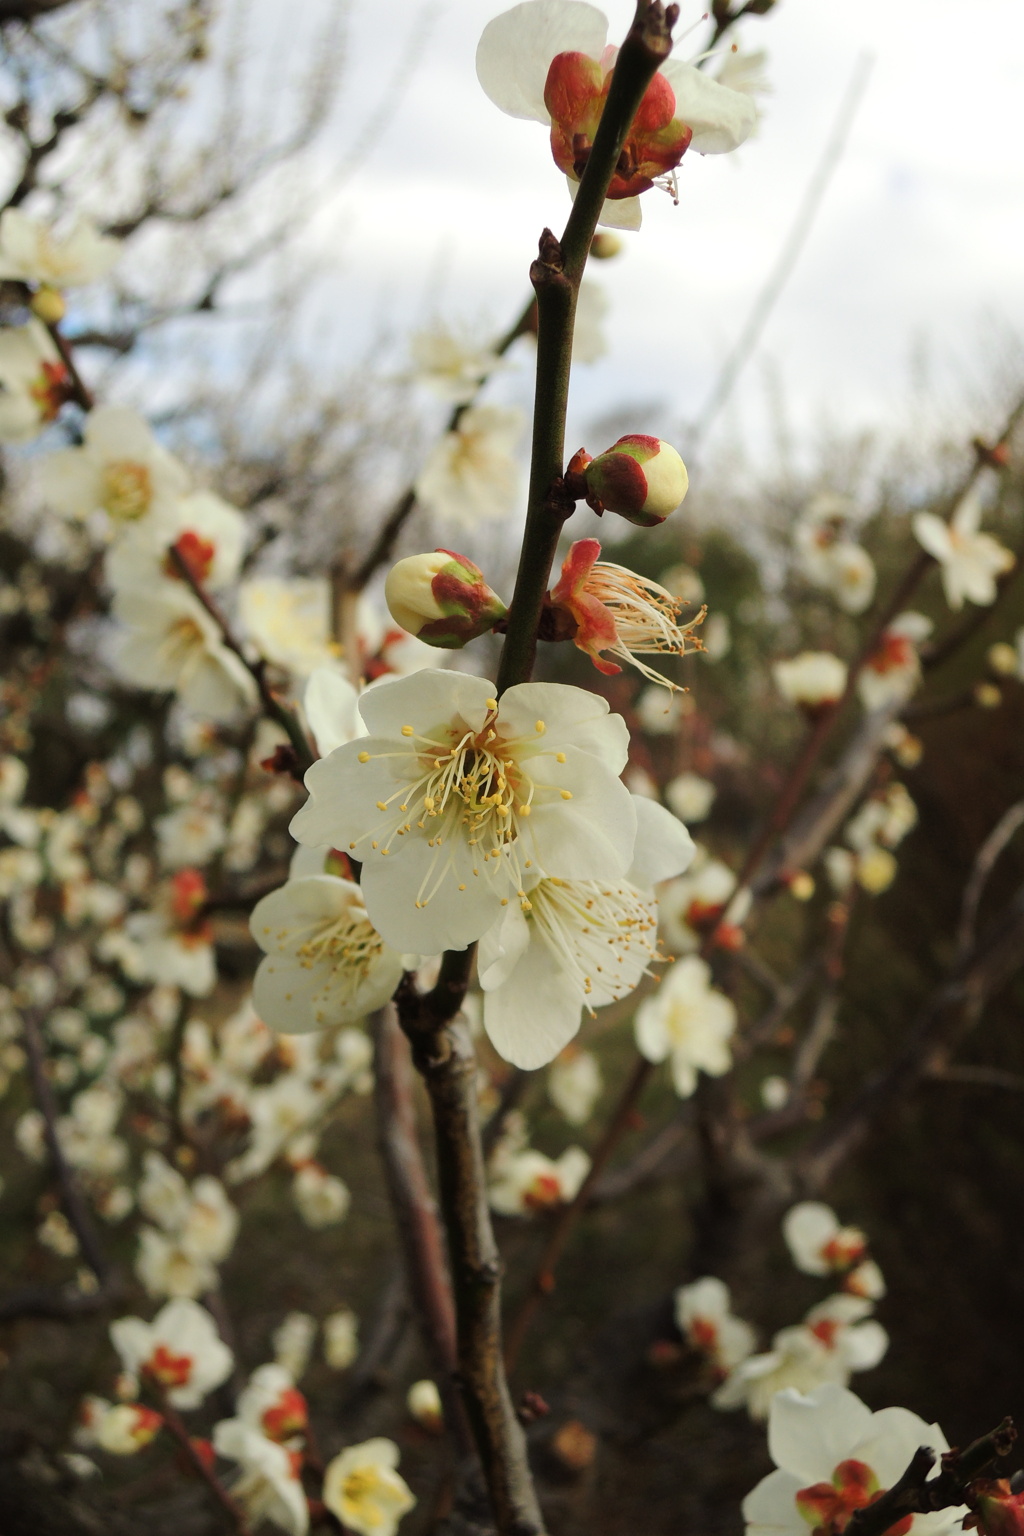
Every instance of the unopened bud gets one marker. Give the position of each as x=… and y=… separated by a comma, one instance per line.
x=605, y=245
x=641, y=478
x=1002, y=658
x=48, y=305
x=801, y=886
x=423, y=1401
x=442, y=599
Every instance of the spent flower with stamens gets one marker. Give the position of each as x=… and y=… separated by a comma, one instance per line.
x=617, y=611
x=456, y=800
x=442, y=598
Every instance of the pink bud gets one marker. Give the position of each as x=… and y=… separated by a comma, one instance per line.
x=442, y=598
x=641, y=478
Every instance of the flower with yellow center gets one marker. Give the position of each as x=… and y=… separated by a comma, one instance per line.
x=325, y=962
x=171, y=642
x=364, y=1490
x=120, y=469
x=471, y=475
x=455, y=802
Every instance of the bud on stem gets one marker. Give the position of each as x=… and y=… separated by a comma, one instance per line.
x=442, y=599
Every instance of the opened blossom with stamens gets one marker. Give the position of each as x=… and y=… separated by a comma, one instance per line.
x=618, y=612
x=325, y=963
x=547, y=60
x=120, y=469
x=456, y=801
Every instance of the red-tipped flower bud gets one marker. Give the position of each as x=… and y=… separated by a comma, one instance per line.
x=442, y=599
x=641, y=478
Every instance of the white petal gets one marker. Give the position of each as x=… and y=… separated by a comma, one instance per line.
x=450, y=920
x=891, y=1439
x=864, y=1346
x=591, y=835
x=808, y=1436
x=771, y=1507
x=572, y=717
x=932, y=534
x=535, y=1013
x=330, y=703
x=807, y=1227
x=502, y=947
x=720, y=118
x=663, y=846
x=516, y=49
x=425, y=700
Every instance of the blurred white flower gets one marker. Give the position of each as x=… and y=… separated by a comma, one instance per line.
x=814, y=679
x=120, y=469
x=969, y=560
x=322, y=1198
x=892, y=672
x=471, y=475
x=688, y=1021
x=528, y=1181
x=31, y=251
x=341, y=1339
x=364, y=1490
x=817, y=1242
x=33, y=382
x=207, y=533
x=268, y=1486
x=574, y=1084
x=180, y=1351
x=170, y=643
x=450, y=364
x=704, y=1316
x=690, y=797
x=289, y=621
x=293, y=1343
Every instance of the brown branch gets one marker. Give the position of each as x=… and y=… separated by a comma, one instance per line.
x=984, y=863
x=175, y=1426
x=918, y=1493
x=977, y=1077
x=416, y=1215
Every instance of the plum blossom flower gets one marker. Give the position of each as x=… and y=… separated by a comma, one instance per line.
x=423, y=1401
x=574, y=1084
x=365, y=1491
x=690, y=797
x=546, y=60
x=575, y=944
x=172, y=944
x=272, y=1404
x=120, y=1429
x=455, y=799
x=450, y=364
x=696, y=903
x=830, y=558
x=33, y=382
x=321, y=1197
x=818, y=1243
x=614, y=610
x=866, y=1280
x=970, y=561
x=180, y=1351
x=120, y=469
x=293, y=1343
x=704, y=1316
x=470, y=475
x=289, y=621
x=325, y=962
x=815, y=680
x=204, y=531
x=341, y=1338
x=190, y=835
x=31, y=251
x=882, y=821
x=527, y=1181
x=834, y=1456
x=268, y=1486
x=688, y=1021
x=892, y=671
x=836, y=1339
x=170, y=643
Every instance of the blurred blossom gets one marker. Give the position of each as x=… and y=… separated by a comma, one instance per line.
x=574, y=1084
x=293, y=1343
x=120, y=470
x=969, y=561
x=341, y=1339
x=689, y=1022
x=363, y=1489
x=690, y=797
x=452, y=365
x=703, y=1314
x=471, y=476
x=814, y=679
x=34, y=252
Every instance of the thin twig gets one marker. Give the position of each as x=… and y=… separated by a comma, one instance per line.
x=175, y=1426
x=984, y=863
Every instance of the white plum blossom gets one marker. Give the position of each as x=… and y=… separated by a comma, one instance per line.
x=293, y=1343
x=423, y=1401
x=818, y=1243
x=32, y=252
x=120, y=1429
x=325, y=963
x=514, y=65
x=170, y=643
x=33, y=382
x=688, y=1021
x=268, y=1485
x=814, y=679
x=575, y=944
x=272, y=1404
x=331, y=707
x=833, y=1456
x=892, y=672
x=289, y=621
x=207, y=533
x=836, y=1339
x=321, y=1197
x=190, y=835
x=690, y=797
x=363, y=1488
x=452, y=365
x=471, y=475
x=969, y=560
x=882, y=821
x=455, y=800
x=574, y=1084
x=693, y=904
x=830, y=558
x=532, y=1182
x=120, y=469
x=867, y=1280
x=704, y=1316
x=180, y=1351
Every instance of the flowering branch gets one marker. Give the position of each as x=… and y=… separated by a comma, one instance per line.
x=916, y=1493
x=175, y=1426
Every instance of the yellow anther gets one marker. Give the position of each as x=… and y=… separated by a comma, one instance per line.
x=407, y=730
x=504, y=901
x=382, y=805
x=372, y=845
x=566, y=794
x=540, y=727
x=351, y=845
x=428, y=801
x=403, y=807
x=559, y=757
x=462, y=887
x=364, y=757
x=492, y=703
x=524, y=810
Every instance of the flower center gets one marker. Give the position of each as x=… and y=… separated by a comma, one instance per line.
x=349, y=944
x=127, y=489
x=543, y=1191
x=827, y=1507
x=363, y=1486
x=895, y=653
x=168, y=1369
x=596, y=931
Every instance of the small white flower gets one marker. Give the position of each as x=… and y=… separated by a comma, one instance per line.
x=423, y=1401
x=451, y=365
x=455, y=800
x=817, y=1242
x=893, y=671
x=813, y=679
x=293, y=1343
x=272, y=1404
x=171, y=643
x=364, y=1490
x=322, y=1199
x=704, y=1316
x=33, y=382
x=690, y=797
x=268, y=1485
x=325, y=962
x=190, y=836
x=574, y=1084
x=180, y=1350
x=970, y=560
x=528, y=1181
x=471, y=475
x=833, y=1455
x=289, y=621
x=341, y=1339
x=688, y=1021
x=31, y=252
x=208, y=534
x=120, y=469
x=694, y=904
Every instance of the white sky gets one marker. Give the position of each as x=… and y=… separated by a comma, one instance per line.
x=917, y=252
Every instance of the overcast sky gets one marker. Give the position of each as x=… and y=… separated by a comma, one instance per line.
x=916, y=255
